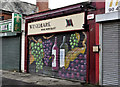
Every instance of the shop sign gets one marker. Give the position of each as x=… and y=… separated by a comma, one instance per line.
x=16, y=22
x=60, y=24
x=112, y=5
x=90, y=16
x=7, y=26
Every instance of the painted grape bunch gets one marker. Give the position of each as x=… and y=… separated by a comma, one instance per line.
x=38, y=53
x=47, y=45
x=73, y=41
x=76, y=69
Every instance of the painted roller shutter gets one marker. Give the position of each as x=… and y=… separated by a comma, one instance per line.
x=110, y=53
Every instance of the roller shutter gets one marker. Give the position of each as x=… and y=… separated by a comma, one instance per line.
x=110, y=53
x=11, y=53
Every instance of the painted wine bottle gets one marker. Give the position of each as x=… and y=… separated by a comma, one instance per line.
x=55, y=54
x=63, y=52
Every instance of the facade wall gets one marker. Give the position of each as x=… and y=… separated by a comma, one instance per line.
x=92, y=69
x=94, y=40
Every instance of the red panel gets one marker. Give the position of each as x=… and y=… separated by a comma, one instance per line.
x=97, y=54
x=94, y=40
x=87, y=69
x=26, y=43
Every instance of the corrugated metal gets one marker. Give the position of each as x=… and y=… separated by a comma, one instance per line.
x=11, y=53
x=110, y=53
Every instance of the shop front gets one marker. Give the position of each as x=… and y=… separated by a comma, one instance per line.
x=10, y=43
x=10, y=47
x=109, y=39
x=57, y=47
x=59, y=42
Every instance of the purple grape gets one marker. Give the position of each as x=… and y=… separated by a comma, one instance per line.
x=72, y=64
x=77, y=61
x=75, y=70
x=60, y=72
x=63, y=75
x=46, y=64
x=82, y=66
x=63, y=69
x=47, y=53
x=50, y=44
x=69, y=69
x=72, y=69
x=84, y=71
x=46, y=49
x=81, y=72
x=80, y=57
x=79, y=65
x=47, y=45
x=82, y=61
x=68, y=75
x=85, y=56
x=78, y=74
x=48, y=56
x=72, y=75
x=82, y=78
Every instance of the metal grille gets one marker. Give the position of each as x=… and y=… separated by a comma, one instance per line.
x=110, y=53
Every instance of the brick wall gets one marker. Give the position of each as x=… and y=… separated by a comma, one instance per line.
x=6, y=16
x=42, y=5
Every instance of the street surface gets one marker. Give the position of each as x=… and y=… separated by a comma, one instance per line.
x=16, y=79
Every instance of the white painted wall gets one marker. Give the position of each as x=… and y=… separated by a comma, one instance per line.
x=23, y=46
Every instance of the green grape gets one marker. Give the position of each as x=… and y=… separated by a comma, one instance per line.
x=77, y=41
x=34, y=55
x=35, y=59
x=36, y=70
x=32, y=48
x=74, y=44
x=70, y=40
x=38, y=48
x=72, y=47
x=38, y=44
x=42, y=63
x=39, y=53
x=35, y=47
x=41, y=50
x=41, y=45
x=36, y=52
x=74, y=35
x=74, y=40
x=71, y=43
x=32, y=44
x=36, y=63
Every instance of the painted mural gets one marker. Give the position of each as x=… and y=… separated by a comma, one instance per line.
x=62, y=55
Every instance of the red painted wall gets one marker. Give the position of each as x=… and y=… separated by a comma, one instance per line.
x=93, y=68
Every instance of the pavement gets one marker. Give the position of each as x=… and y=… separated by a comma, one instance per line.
x=11, y=79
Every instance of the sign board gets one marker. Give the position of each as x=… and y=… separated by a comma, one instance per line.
x=16, y=22
x=90, y=16
x=112, y=5
x=6, y=26
x=60, y=24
